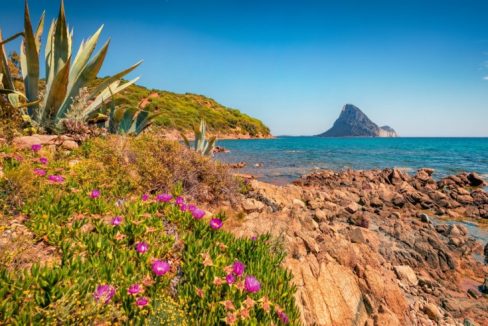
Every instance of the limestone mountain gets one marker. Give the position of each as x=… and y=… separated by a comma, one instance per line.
x=352, y=122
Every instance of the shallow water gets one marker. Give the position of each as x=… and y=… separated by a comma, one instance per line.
x=286, y=158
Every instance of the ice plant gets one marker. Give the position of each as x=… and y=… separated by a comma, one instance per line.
x=43, y=160
x=198, y=213
x=144, y=197
x=230, y=279
x=134, y=289
x=56, y=178
x=283, y=317
x=179, y=201
x=238, y=268
x=104, y=293
x=183, y=207
x=191, y=208
x=215, y=223
x=40, y=172
x=142, y=301
x=117, y=220
x=164, y=198
x=160, y=267
x=142, y=247
x=95, y=193
x=251, y=284
x=36, y=147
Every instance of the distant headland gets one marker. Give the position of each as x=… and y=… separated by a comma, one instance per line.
x=352, y=122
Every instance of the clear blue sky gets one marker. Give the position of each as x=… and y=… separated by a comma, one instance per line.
x=420, y=66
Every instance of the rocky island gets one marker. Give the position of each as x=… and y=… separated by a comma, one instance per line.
x=352, y=122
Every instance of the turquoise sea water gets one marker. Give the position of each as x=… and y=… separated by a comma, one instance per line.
x=286, y=158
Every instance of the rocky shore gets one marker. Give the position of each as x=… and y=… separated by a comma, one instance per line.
x=364, y=250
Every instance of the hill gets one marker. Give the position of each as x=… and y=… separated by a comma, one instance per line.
x=180, y=112
x=352, y=122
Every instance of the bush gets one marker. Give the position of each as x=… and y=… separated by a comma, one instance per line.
x=72, y=201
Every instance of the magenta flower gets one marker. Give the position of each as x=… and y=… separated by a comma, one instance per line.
x=230, y=279
x=43, y=160
x=198, y=213
x=134, y=289
x=36, y=147
x=238, y=268
x=164, y=198
x=160, y=267
x=191, y=208
x=251, y=284
x=179, y=201
x=56, y=178
x=183, y=207
x=144, y=197
x=142, y=247
x=117, y=220
x=95, y=193
x=216, y=223
x=40, y=172
x=104, y=293
x=142, y=301
x=254, y=238
x=283, y=317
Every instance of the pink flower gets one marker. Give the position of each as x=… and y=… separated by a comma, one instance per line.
x=191, y=208
x=179, y=201
x=117, y=220
x=216, y=223
x=198, y=213
x=95, y=193
x=56, y=178
x=43, y=160
x=238, y=268
x=40, y=172
x=283, y=317
x=164, y=198
x=160, y=267
x=144, y=197
x=142, y=247
x=134, y=289
x=36, y=147
x=230, y=279
x=251, y=284
x=183, y=207
x=142, y=301
x=104, y=293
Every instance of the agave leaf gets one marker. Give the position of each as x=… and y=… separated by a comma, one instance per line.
x=6, y=79
x=30, y=54
x=113, y=89
x=61, y=45
x=82, y=57
x=56, y=94
x=14, y=100
x=88, y=73
x=142, y=121
x=48, y=53
x=109, y=81
x=39, y=31
x=185, y=139
x=126, y=122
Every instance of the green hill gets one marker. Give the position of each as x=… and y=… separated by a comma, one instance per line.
x=182, y=111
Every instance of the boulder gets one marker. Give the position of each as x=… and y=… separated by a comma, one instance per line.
x=406, y=273
x=432, y=311
x=475, y=180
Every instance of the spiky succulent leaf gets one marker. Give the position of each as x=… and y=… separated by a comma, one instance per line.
x=89, y=72
x=29, y=54
x=6, y=79
x=56, y=93
x=62, y=43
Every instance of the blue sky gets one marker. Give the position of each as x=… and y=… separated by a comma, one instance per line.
x=418, y=66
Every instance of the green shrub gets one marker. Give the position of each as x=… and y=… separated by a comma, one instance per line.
x=70, y=215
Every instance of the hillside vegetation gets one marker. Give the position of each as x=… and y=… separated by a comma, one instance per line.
x=183, y=111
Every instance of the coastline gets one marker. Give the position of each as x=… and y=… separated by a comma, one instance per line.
x=377, y=245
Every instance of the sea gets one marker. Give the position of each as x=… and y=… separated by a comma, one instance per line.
x=283, y=159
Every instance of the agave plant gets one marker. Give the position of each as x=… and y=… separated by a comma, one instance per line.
x=128, y=121
x=201, y=144
x=65, y=76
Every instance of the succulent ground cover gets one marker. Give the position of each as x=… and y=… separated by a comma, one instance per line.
x=128, y=250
